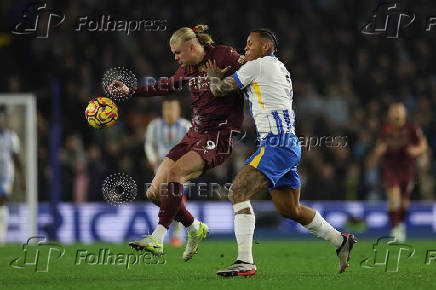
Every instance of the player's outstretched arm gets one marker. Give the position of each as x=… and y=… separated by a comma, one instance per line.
x=219, y=87
x=380, y=149
x=162, y=87
x=421, y=146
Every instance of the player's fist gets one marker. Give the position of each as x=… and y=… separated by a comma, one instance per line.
x=413, y=151
x=118, y=88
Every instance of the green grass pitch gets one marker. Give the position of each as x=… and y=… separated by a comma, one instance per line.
x=285, y=264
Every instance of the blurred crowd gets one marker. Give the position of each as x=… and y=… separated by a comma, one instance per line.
x=343, y=82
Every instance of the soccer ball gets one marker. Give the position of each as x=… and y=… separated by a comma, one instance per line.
x=101, y=113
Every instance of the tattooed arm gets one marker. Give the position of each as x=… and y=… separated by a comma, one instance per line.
x=219, y=87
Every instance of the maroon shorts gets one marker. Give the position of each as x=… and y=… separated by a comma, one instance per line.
x=397, y=175
x=214, y=147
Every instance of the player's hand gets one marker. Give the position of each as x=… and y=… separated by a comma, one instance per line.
x=381, y=148
x=213, y=71
x=413, y=151
x=118, y=88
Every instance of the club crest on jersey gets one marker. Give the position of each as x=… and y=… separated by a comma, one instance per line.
x=210, y=145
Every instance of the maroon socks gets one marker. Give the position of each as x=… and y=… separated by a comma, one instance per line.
x=394, y=216
x=397, y=216
x=173, y=207
x=170, y=204
x=184, y=216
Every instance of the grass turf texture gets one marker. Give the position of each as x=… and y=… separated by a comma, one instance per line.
x=281, y=265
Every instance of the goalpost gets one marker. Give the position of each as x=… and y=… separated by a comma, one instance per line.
x=21, y=112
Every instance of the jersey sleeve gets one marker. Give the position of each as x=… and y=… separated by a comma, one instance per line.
x=15, y=148
x=247, y=73
x=233, y=59
x=163, y=86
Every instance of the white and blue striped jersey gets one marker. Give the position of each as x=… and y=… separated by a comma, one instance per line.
x=161, y=137
x=267, y=84
x=9, y=145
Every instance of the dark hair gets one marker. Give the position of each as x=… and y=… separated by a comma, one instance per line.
x=268, y=34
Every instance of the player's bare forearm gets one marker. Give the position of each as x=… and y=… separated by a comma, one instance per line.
x=380, y=149
x=220, y=87
x=421, y=147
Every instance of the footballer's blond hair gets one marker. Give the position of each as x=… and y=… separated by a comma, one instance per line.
x=186, y=33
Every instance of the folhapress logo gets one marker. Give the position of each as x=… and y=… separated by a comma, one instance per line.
x=37, y=20
x=38, y=254
x=387, y=253
x=388, y=20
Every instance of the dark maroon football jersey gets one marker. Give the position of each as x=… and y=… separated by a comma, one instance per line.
x=397, y=141
x=210, y=113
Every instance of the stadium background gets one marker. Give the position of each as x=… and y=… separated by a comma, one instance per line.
x=343, y=82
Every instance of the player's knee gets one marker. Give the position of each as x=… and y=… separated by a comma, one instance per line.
x=238, y=195
x=237, y=198
x=153, y=196
x=394, y=204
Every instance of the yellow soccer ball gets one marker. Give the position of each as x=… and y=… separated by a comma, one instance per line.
x=101, y=113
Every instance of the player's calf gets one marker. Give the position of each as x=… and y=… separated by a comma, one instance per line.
x=287, y=202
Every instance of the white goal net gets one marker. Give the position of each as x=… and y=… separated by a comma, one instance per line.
x=21, y=118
